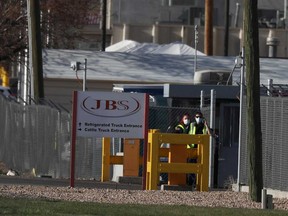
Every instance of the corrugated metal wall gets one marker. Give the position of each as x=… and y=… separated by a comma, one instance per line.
x=274, y=124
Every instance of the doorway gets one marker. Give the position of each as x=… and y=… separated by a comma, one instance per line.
x=228, y=148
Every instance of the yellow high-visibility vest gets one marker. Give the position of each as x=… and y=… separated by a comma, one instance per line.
x=193, y=131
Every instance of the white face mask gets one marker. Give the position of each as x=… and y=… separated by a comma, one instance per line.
x=199, y=120
x=186, y=121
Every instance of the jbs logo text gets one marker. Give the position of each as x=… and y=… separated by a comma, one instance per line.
x=110, y=107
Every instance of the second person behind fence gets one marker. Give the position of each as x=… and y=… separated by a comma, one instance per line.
x=198, y=126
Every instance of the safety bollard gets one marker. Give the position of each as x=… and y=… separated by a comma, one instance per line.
x=266, y=200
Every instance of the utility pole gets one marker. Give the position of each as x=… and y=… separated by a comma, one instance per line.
x=104, y=14
x=35, y=50
x=252, y=65
x=226, y=35
x=208, y=43
x=285, y=13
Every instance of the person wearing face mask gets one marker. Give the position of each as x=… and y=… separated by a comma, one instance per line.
x=199, y=126
x=184, y=125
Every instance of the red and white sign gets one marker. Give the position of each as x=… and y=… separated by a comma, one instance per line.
x=110, y=114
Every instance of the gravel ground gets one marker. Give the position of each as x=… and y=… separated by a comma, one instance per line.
x=228, y=199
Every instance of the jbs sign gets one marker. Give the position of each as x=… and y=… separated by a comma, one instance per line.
x=111, y=108
x=110, y=114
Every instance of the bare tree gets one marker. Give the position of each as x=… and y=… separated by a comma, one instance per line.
x=254, y=140
x=13, y=23
x=61, y=22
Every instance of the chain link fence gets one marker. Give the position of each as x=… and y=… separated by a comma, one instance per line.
x=37, y=137
x=274, y=122
x=34, y=137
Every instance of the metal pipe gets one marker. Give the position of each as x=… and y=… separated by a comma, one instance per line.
x=226, y=35
x=240, y=116
x=285, y=12
x=208, y=43
x=270, y=85
x=211, y=148
x=195, y=51
x=104, y=14
x=236, y=15
x=264, y=199
x=201, y=99
x=84, y=75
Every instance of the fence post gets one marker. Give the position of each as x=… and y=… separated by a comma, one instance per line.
x=105, y=159
x=204, y=184
x=212, y=125
x=152, y=160
x=242, y=83
x=202, y=99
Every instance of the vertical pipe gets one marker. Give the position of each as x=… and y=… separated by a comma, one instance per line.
x=277, y=19
x=195, y=51
x=240, y=117
x=144, y=170
x=155, y=33
x=105, y=174
x=270, y=85
x=119, y=11
x=73, y=139
x=264, y=199
x=211, y=146
x=201, y=99
x=226, y=36
x=208, y=45
x=104, y=13
x=26, y=85
x=236, y=15
x=285, y=12
x=85, y=75
x=30, y=39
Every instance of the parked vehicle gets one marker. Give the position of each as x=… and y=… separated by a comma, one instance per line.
x=5, y=91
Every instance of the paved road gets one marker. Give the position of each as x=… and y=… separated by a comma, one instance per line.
x=66, y=183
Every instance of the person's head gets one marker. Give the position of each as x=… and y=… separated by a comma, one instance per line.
x=199, y=117
x=185, y=119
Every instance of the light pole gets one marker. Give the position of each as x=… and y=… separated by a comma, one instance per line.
x=242, y=82
x=195, y=52
x=76, y=66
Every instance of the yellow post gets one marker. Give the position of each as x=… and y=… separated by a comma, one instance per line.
x=204, y=160
x=105, y=159
x=4, y=76
x=152, y=160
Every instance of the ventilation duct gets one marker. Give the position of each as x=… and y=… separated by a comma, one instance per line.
x=212, y=77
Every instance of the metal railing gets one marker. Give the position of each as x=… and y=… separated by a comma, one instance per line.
x=177, y=162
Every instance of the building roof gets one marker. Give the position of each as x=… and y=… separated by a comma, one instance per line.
x=150, y=68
